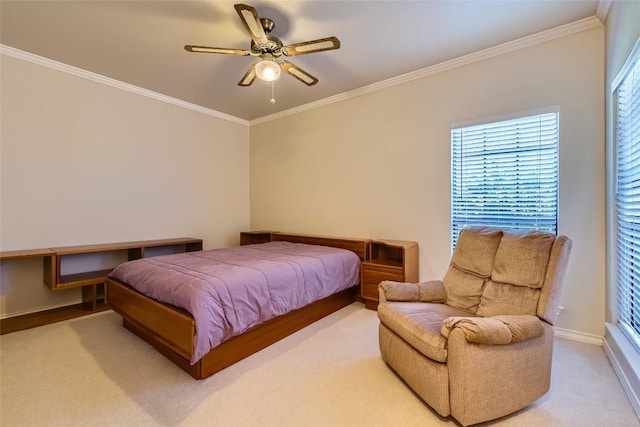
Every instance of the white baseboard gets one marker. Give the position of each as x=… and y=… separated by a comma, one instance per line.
x=626, y=363
x=578, y=336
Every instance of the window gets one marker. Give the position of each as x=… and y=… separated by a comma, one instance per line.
x=627, y=96
x=505, y=174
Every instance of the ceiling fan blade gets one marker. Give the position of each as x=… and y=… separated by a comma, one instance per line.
x=224, y=50
x=251, y=21
x=249, y=76
x=319, y=45
x=298, y=73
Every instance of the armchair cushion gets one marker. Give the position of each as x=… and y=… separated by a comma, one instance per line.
x=432, y=291
x=522, y=258
x=463, y=290
x=501, y=298
x=518, y=274
x=495, y=330
x=475, y=250
x=419, y=323
x=471, y=264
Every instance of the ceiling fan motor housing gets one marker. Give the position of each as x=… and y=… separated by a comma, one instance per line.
x=273, y=47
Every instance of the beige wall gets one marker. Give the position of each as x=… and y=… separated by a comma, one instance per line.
x=83, y=163
x=378, y=165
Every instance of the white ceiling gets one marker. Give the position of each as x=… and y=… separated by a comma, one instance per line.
x=141, y=42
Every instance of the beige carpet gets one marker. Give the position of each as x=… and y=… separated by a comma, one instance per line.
x=92, y=372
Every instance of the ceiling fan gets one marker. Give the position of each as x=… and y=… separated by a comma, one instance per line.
x=270, y=49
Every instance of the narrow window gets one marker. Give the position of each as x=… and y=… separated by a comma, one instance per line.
x=627, y=97
x=505, y=174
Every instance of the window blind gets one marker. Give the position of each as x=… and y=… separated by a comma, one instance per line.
x=505, y=174
x=628, y=202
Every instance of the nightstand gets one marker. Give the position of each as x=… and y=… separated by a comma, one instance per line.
x=395, y=260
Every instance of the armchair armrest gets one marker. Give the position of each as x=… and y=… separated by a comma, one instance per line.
x=432, y=291
x=496, y=329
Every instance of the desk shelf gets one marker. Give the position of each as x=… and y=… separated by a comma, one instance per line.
x=91, y=282
x=134, y=250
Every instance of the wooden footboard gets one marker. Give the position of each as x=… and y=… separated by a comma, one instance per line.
x=173, y=327
x=171, y=330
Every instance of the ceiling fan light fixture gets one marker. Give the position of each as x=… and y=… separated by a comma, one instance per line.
x=268, y=70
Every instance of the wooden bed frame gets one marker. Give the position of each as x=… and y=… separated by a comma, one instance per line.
x=171, y=330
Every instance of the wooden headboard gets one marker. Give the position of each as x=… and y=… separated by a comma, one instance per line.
x=359, y=246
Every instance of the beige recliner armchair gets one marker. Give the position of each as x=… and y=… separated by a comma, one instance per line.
x=478, y=344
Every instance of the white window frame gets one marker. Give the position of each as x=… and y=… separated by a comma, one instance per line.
x=547, y=216
x=627, y=276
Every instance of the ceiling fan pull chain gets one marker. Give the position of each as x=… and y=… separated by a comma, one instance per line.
x=273, y=96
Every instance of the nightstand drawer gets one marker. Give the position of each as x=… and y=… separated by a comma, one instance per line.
x=377, y=273
x=373, y=274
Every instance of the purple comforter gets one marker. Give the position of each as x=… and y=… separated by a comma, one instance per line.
x=228, y=291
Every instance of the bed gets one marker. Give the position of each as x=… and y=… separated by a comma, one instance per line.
x=171, y=327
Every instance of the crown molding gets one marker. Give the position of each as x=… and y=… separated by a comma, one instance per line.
x=481, y=55
x=603, y=10
x=79, y=72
